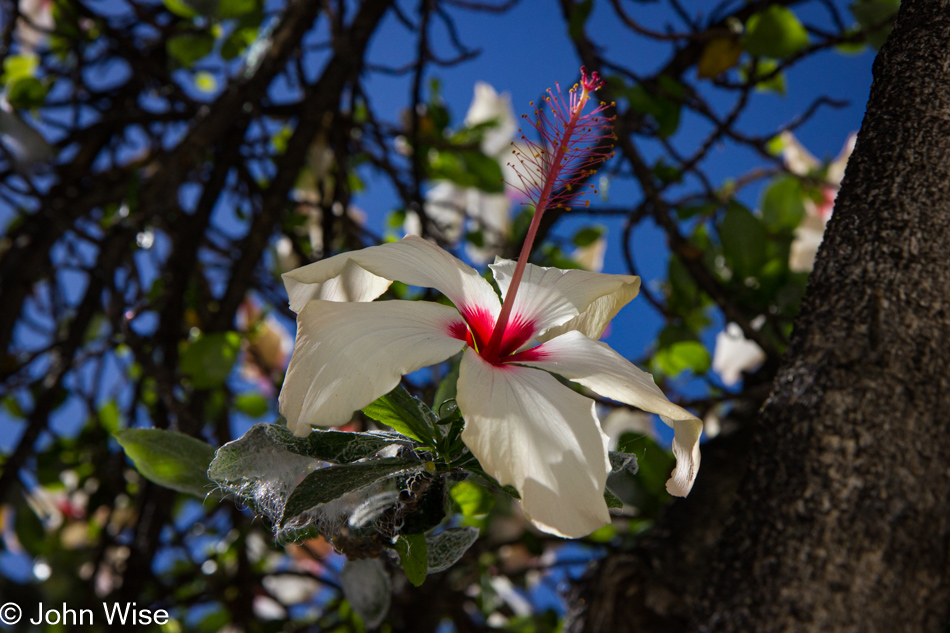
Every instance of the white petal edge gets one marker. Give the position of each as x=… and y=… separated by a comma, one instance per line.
x=365, y=274
x=531, y=432
x=348, y=354
x=604, y=371
x=557, y=300
x=735, y=354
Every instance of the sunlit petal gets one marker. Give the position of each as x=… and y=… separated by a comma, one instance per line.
x=348, y=354
x=604, y=371
x=530, y=431
x=557, y=301
x=488, y=105
x=365, y=274
x=735, y=354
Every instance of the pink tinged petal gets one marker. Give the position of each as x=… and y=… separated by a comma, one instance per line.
x=365, y=274
x=348, y=354
x=557, y=301
x=533, y=433
x=604, y=371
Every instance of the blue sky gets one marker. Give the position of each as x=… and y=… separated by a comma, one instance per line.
x=526, y=50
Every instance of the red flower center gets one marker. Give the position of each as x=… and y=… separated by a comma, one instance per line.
x=477, y=330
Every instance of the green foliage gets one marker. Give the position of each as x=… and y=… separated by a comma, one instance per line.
x=744, y=241
x=170, y=459
x=405, y=414
x=207, y=361
x=580, y=12
x=472, y=499
x=332, y=482
x=251, y=404
x=684, y=355
x=448, y=546
x=588, y=235
x=23, y=89
x=765, y=68
x=612, y=500
x=774, y=32
x=661, y=102
x=335, y=447
x=876, y=13
x=188, y=48
x=466, y=168
x=413, y=556
x=783, y=205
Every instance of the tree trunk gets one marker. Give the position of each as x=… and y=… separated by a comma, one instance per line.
x=842, y=520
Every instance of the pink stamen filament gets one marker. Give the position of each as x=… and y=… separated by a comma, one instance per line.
x=491, y=350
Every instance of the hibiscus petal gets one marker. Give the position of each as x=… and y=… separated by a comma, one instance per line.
x=557, y=301
x=604, y=371
x=348, y=354
x=532, y=432
x=365, y=274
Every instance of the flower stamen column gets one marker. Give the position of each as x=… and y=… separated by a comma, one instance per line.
x=577, y=141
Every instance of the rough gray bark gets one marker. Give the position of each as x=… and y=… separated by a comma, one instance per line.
x=842, y=520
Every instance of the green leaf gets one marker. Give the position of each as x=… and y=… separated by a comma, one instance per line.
x=612, y=500
x=447, y=388
x=208, y=361
x=681, y=356
x=718, y=56
x=448, y=546
x=744, y=241
x=19, y=67
x=467, y=168
x=647, y=489
x=486, y=170
x=621, y=462
x=763, y=68
x=109, y=417
x=170, y=459
x=238, y=41
x=181, y=8
x=775, y=32
x=588, y=235
x=704, y=210
x=579, y=14
x=472, y=499
x=665, y=109
x=783, y=205
x=413, y=556
x=333, y=482
x=26, y=93
x=251, y=404
x=667, y=173
x=872, y=12
x=336, y=447
x=188, y=48
x=604, y=534
x=405, y=414
x=235, y=8
x=367, y=588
